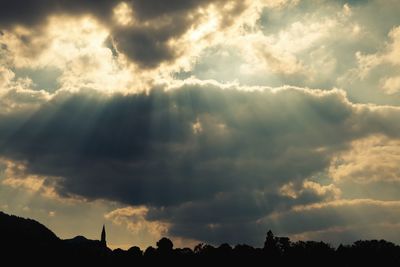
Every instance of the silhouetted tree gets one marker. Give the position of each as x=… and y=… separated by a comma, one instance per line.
x=184, y=251
x=283, y=244
x=165, y=245
x=245, y=252
x=205, y=250
x=225, y=250
x=270, y=246
x=270, y=241
x=198, y=248
x=135, y=251
x=150, y=252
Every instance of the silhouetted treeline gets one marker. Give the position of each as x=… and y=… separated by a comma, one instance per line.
x=29, y=242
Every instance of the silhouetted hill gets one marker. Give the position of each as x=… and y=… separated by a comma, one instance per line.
x=27, y=241
x=86, y=250
x=20, y=232
x=81, y=241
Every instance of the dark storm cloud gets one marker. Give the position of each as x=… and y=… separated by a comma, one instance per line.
x=148, y=141
x=28, y=12
x=198, y=155
x=32, y=12
x=146, y=42
x=148, y=45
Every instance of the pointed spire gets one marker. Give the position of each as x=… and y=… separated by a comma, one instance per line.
x=103, y=236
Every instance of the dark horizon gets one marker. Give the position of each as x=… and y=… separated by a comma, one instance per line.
x=102, y=241
x=39, y=245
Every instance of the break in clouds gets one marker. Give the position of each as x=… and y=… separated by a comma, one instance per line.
x=204, y=120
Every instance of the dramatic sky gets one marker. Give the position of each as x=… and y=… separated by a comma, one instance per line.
x=202, y=120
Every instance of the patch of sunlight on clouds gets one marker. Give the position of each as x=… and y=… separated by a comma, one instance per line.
x=372, y=159
x=123, y=14
x=74, y=46
x=134, y=219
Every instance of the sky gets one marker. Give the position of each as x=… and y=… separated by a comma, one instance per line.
x=202, y=120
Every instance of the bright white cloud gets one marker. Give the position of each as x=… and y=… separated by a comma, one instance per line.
x=330, y=191
x=373, y=159
x=6, y=76
x=391, y=85
x=74, y=46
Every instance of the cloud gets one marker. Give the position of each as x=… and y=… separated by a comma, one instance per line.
x=6, y=76
x=134, y=219
x=149, y=34
x=298, y=44
x=16, y=93
x=142, y=149
x=389, y=55
x=380, y=69
x=373, y=159
x=68, y=54
x=391, y=85
x=33, y=12
x=303, y=44
x=309, y=187
x=339, y=220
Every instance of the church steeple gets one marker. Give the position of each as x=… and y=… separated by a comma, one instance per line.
x=103, y=236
